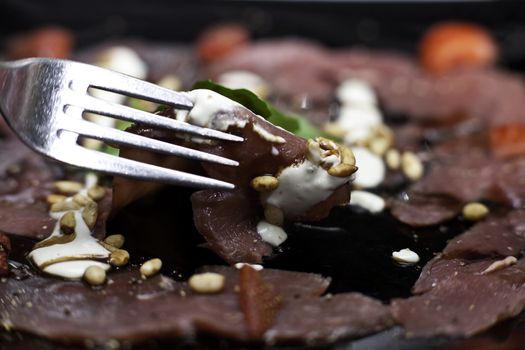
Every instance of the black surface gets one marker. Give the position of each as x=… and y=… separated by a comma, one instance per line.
x=382, y=24
x=351, y=247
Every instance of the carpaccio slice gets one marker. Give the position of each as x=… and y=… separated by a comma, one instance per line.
x=70, y=312
x=455, y=180
x=490, y=95
x=424, y=210
x=298, y=179
x=476, y=282
x=494, y=237
x=460, y=299
x=26, y=179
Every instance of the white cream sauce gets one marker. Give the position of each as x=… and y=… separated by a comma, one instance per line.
x=359, y=114
x=371, y=170
x=80, y=251
x=256, y=267
x=370, y=201
x=405, y=256
x=271, y=234
x=242, y=79
x=207, y=104
x=356, y=91
x=301, y=186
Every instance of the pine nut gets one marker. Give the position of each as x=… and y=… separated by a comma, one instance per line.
x=95, y=275
x=151, y=267
x=207, y=283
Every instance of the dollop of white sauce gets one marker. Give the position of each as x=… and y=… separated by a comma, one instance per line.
x=370, y=201
x=371, y=169
x=73, y=269
x=356, y=91
x=83, y=248
x=124, y=60
x=405, y=256
x=206, y=105
x=268, y=136
x=242, y=79
x=271, y=234
x=256, y=267
x=359, y=114
x=301, y=186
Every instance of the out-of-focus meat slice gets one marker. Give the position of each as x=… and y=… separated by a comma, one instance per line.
x=509, y=186
x=349, y=315
x=424, y=210
x=68, y=311
x=31, y=220
x=282, y=63
x=162, y=59
x=460, y=300
x=495, y=237
x=465, y=177
x=305, y=76
x=26, y=179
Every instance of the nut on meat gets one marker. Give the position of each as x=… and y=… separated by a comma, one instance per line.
x=55, y=198
x=95, y=275
x=116, y=241
x=412, y=166
x=475, y=211
x=379, y=145
x=265, y=183
x=90, y=214
x=342, y=170
x=347, y=155
x=68, y=187
x=82, y=200
x=64, y=205
x=68, y=223
x=119, y=257
x=207, y=283
x=151, y=267
x=96, y=192
x=393, y=159
x=326, y=144
x=274, y=215
x=334, y=130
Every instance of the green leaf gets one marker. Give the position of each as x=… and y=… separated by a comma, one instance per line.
x=243, y=96
x=294, y=123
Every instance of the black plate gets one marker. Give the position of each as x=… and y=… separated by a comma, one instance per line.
x=387, y=24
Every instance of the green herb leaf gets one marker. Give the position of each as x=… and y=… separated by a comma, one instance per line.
x=294, y=123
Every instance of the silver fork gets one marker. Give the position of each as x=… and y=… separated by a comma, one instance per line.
x=43, y=100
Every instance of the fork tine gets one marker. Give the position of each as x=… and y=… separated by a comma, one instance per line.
x=89, y=129
x=95, y=105
x=98, y=161
x=124, y=84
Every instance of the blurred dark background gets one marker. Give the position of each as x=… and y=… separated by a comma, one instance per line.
x=385, y=24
